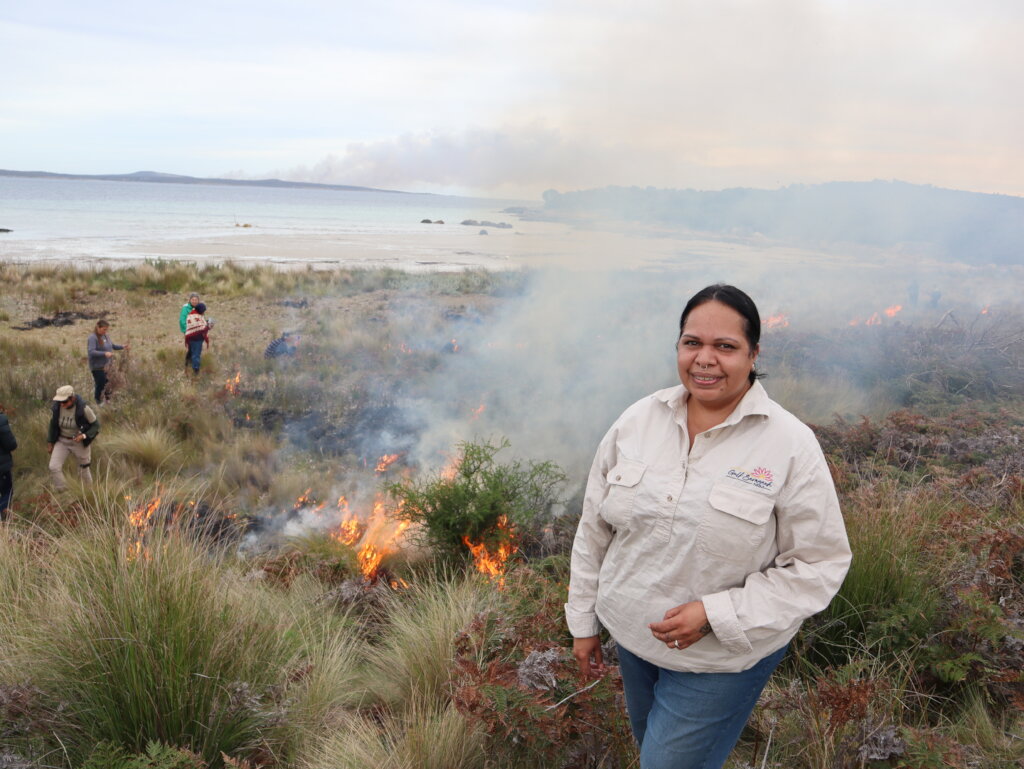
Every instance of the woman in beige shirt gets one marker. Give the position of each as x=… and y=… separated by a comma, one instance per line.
x=710, y=530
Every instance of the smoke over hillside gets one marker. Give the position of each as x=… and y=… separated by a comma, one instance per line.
x=946, y=224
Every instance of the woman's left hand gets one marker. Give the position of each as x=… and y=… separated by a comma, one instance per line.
x=683, y=625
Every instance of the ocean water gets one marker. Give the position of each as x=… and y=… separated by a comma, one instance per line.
x=54, y=218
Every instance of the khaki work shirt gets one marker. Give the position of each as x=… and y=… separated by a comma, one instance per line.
x=746, y=521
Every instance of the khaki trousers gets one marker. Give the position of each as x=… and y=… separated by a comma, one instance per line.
x=61, y=449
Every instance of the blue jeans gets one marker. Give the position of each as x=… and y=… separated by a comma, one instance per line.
x=195, y=352
x=689, y=720
x=99, y=377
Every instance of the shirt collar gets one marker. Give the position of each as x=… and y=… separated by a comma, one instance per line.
x=754, y=402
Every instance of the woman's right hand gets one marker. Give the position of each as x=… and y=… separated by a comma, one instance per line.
x=587, y=652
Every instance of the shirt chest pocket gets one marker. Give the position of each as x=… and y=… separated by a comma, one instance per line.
x=736, y=523
x=623, y=482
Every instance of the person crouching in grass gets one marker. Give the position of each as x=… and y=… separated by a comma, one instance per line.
x=73, y=427
x=285, y=345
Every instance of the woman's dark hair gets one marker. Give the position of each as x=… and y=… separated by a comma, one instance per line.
x=731, y=297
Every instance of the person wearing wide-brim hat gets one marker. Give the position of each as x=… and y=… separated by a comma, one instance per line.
x=73, y=428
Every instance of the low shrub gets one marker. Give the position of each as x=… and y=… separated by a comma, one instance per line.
x=469, y=502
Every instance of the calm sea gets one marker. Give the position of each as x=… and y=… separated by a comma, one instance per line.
x=95, y=219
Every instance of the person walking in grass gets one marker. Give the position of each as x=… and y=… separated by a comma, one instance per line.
x=193, y=300
x=101, y=350
x=197, y=331
x=73, y=428
x=8, y=443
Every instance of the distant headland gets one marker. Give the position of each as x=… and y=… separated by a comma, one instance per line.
x=162, y=178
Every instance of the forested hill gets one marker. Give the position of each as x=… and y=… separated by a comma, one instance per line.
x=962, y=226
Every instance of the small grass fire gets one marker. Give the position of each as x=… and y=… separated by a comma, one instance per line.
x=233, y=386
x=492, y=561
x=373, y=536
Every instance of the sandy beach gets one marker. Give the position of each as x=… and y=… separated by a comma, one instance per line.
x=528, y=245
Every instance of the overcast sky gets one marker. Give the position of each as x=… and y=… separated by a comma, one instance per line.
x=512, y=97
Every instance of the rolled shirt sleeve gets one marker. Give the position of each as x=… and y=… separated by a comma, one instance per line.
x=593, y=537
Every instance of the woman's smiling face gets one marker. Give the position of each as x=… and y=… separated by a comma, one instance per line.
x=714, y=356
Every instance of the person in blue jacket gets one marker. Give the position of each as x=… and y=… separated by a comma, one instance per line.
x=8, y=443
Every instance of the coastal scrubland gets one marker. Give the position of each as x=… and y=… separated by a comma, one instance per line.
x=270, y=571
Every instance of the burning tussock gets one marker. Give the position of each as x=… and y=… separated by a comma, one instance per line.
x=370, y=529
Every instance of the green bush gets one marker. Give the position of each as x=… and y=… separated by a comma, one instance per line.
x=470, y=502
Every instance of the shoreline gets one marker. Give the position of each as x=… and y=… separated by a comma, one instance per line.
x=529, y=245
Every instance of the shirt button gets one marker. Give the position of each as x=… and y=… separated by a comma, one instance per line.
x=669, y=497
x=618, y=477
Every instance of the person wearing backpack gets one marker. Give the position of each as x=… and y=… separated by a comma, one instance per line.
x=197, y=331
x=73, y=428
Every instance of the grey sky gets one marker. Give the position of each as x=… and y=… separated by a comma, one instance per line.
x=509, y=99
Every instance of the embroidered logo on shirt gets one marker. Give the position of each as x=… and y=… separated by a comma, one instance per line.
x=761, y=477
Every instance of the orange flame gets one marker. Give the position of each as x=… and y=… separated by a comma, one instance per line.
x=891, y=311
x=454, y=346
x=141, y=515
x=386, y=461
x=984, y=310
x=306, y=501
x=478, y=411
x=349, y=531
x=776, y=321
x=139, y=518
x=874, y=320
x=233, y=385
x=492, y=564
x=378, y=536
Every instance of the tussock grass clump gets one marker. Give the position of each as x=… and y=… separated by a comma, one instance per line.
x=151, y=448
x=890, y=594
x=161, y=644
x=412, y=663
x=436, y=738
